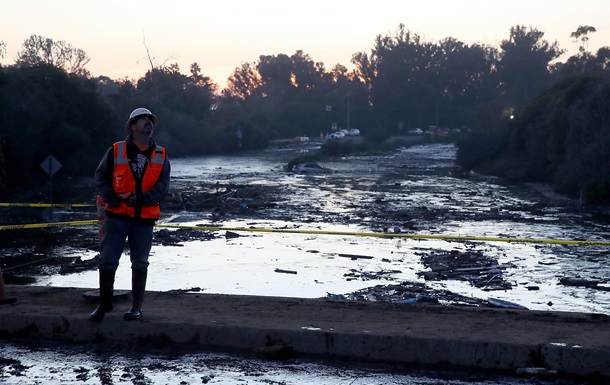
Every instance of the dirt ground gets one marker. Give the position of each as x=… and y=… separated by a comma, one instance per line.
x=262, y=312
x=230, y=314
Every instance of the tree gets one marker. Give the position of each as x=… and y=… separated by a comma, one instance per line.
x=464, y=77
x=582, y=62
x=45, y=111
x=339, y=74
x=306, y=73
x=185, y=102
x=560, y=138
x=279, y=95
x=397, y=72
x=41, y=50
x=199, y=79
x=2, y=139
x=193, y=95
x=564, y=135
x=243, y=83
x=602, y=61
x=418, y=84
x=524, y=64
x=276, y=73
x=582, y=33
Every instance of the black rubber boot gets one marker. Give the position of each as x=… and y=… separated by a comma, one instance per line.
x=138, y=286
x=106, y=293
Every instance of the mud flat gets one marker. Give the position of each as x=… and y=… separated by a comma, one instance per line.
x=504, y=340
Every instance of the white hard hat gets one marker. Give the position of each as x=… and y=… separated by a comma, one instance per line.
x=139, y=112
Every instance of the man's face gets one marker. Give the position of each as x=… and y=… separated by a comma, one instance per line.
x=143, y=124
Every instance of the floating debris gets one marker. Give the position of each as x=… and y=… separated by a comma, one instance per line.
x=473, y=266
x=582, y=282
x=409, y=292
x=354, y=256
x=496, y=302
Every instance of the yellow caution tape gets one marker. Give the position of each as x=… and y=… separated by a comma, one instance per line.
x=46, y=205
x=397, y=235
x=460, y=238
x=43, y=225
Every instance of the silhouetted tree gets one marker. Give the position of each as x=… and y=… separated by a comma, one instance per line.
x=42, y=50
x=523, y=68
x=45, y=111
x=243, y=82
x=582, y=34
x=584, y=61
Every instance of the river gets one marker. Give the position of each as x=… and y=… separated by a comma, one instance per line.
x=368, y=194
x=310, y=236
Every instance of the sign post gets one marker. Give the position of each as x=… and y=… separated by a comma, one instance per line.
x=50, y=165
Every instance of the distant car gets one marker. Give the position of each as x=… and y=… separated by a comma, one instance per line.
x=353, y=132
x=416, y=131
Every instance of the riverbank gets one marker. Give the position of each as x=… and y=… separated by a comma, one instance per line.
x=512, y=341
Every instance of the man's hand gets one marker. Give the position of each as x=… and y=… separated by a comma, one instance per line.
x=131, y=200
x=114, y=201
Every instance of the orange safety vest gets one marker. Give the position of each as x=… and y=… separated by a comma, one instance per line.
x=124, y=183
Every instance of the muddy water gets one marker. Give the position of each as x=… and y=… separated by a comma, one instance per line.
x=19, y=366
x=360, y=194
x=374, y=194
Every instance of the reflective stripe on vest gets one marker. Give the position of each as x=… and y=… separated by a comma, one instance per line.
x=120, y=151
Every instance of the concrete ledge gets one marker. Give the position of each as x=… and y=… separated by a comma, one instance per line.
x=485, y=338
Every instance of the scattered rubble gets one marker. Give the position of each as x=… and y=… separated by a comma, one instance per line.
x=582, y=282
x=409, y=293
x=480, y=270
x=219, y=199
x=168, y=237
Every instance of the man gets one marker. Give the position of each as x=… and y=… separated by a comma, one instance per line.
x=131, y=179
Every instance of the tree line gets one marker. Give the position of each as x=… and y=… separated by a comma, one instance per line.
x=50, y=104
